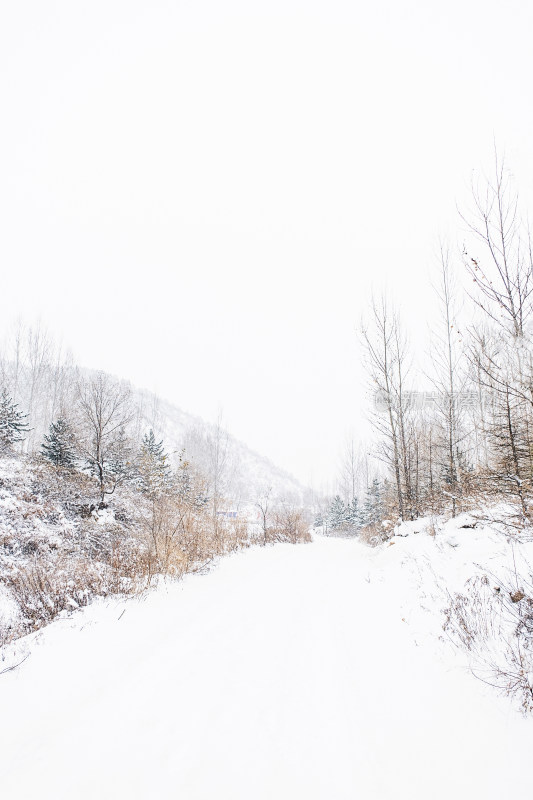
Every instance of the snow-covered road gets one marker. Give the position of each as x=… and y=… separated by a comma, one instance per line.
x=286, y=672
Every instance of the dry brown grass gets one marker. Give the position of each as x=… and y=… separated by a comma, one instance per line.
x=62, y=550
x=289, y=525
x=374, y=534
x=42, y=593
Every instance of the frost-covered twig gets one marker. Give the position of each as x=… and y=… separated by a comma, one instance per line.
x=14, y=666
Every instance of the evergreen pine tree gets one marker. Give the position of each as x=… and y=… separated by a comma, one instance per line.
x=373, y=506
x=190, y=487
x=59, y=446
x=319, y=520
x=354, y=514
x=13, y=426
x=153, y=469
x=337, y=513
x=120, y=462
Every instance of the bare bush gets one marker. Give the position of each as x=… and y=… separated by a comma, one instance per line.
x=374, y=534
x=182, y=537
x=493, y=621
x=235, y=535
x=42, y=593
x=289, y=525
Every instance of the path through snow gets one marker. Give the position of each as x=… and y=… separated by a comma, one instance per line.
x=287, y=672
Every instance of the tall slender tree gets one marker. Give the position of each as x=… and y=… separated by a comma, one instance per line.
x=387, y=363
x=104, y=411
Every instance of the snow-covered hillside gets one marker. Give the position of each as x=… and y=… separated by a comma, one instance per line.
x=288, y=672
x=250, y=473
x=52, y=393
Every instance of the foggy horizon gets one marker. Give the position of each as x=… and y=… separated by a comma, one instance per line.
x=201, y=200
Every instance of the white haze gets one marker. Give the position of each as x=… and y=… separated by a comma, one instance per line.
x=200, y=196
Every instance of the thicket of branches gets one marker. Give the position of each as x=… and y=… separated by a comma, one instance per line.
x=492, y=619
x=464, y=429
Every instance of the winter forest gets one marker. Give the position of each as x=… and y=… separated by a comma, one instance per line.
x=459, y=429
x=266, y=401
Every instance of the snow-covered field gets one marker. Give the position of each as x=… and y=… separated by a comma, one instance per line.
x=287, y=672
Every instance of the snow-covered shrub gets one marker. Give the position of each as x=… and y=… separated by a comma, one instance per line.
x=493, y=621
x=375, y=533
x=42, y=592
x=290, y=525
x=235, y=535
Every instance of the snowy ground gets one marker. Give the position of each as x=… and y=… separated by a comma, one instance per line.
x=311, y=671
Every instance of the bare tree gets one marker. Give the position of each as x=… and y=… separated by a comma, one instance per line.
x=354, y=471
x=503, y=272
x=34, y=369
x=500, y=352
x=209, y=450
x=104, y=411
x=39, y=350
x=264, y=503
x=386, y=351
x=218, y=443
x=504, y=372
x=17, y=358
x=449, y=381
x=349, y=470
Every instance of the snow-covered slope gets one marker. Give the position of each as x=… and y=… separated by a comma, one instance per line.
x=287, y=672
x=249, y=473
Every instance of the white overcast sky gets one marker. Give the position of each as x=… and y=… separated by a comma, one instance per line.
x=199, y=196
